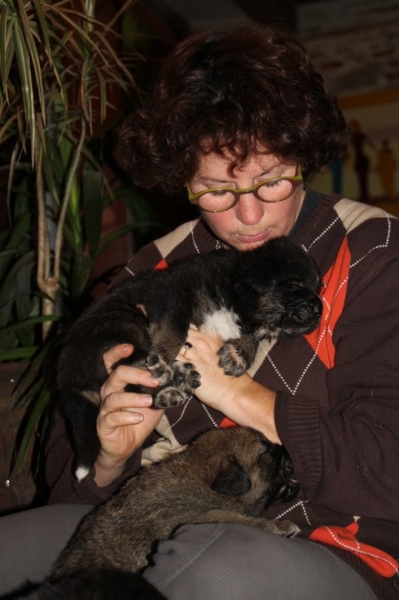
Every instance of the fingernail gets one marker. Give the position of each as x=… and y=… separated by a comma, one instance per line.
x=135, y=416
x=146, y=400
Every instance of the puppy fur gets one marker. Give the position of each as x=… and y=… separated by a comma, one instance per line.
x=226, y=475
x=245, y=297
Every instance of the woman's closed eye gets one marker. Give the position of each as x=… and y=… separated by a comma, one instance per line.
x=273, y=183
x=222, y=192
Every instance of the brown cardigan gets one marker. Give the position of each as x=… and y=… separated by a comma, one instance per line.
x=337, y=408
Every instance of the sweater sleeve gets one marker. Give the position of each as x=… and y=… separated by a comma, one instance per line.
x=64, y=487
x=351, y=441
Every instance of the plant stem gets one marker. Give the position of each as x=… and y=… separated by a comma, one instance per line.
x=45, y=282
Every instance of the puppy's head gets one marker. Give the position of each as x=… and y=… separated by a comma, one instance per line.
x=252, y=469
x=281, y=282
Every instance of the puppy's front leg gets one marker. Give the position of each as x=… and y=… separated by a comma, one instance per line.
x=283, y=528
x=237, y=355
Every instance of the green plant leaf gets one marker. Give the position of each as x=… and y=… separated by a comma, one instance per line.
x=25, y=74
x=29, y=30
x=44, y=33
x=9, y=286
x=81, y=267
x=7, y=49
x=60, y=71
x=119, y=232
x=17, y=353
x=35, y=411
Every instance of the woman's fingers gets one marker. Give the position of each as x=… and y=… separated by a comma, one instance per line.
x=114, y=414
x=199, y=342
x=111, y=356
x=122, y=375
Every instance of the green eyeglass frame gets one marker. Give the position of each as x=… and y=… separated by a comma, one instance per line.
x=237, y=192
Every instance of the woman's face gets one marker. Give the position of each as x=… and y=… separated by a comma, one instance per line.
x=251, y=222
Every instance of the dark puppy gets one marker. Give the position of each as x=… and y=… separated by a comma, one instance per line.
x=243, y=296
x=226, y=475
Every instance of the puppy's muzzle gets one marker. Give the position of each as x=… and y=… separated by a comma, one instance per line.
x=304, y=315
x=286, y=487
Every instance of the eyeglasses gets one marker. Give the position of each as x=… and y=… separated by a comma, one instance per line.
x=268, y=190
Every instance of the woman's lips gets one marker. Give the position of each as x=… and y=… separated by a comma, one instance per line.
x=254, y=239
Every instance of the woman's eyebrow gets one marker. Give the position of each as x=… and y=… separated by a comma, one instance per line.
x=270, y=174
x=205, y=179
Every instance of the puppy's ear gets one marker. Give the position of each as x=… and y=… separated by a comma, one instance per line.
x=232, y=479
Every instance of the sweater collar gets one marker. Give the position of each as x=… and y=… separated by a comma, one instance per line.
x=311, y=201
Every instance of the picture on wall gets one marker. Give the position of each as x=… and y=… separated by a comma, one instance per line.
x=353, y=44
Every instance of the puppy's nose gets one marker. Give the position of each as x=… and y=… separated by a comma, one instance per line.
x=316, y=306
x=310, y=307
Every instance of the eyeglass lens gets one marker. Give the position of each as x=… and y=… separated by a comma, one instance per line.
x=271, y=191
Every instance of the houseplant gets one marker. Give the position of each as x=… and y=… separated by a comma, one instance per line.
x=64, y=76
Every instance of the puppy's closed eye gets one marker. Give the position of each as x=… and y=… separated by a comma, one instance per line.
x=231, y=479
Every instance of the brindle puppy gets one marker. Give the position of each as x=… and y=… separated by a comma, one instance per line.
x=243, y=296
x=228, y=475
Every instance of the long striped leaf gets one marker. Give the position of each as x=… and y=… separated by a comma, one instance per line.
x=34, y=56
x=24, y=67
x=7, y=50
x=44, y=29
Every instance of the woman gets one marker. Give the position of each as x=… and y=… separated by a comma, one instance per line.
x=242, y=119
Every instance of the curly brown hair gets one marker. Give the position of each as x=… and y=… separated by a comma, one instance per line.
x=235, y=92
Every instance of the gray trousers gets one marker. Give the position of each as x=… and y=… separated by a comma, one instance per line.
x=207, y=561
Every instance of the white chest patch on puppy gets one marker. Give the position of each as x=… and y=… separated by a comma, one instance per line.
x=224, y=323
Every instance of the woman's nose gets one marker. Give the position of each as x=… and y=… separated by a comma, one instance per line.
x=249, y=210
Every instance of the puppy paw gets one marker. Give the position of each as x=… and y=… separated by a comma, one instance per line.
x=185, y=375
x=284, y=528
x=170, y=396
x=159, y=368
x=231, y=358
x=178, y=381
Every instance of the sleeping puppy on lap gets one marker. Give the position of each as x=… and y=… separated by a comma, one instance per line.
x=226, y=475
x=245, y=297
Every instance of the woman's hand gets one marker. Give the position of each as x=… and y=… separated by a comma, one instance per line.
x=241, y=399
x=125, y=419
x=216, y=387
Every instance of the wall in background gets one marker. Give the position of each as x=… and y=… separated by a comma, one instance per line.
x=353, y=43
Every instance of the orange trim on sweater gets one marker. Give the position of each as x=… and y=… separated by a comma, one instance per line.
x=345, y=537
x=161, y=265
x=333, y=295
x=227, y=423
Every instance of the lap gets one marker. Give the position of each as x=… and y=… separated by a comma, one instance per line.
x=214, y=561
x=231, y=562
x=31, y=541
